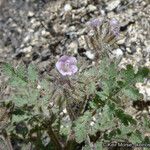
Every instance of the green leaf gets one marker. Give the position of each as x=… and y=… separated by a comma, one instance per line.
x=21, y=72
x=136, y=137
x=19, y=100
x=19, y=118
x=124, y=118
x=32, y=73
x=126, y=129
x=33, y=96
x=82, y=126
x=17, y=82
x=99, y=146
x=132, y=93
x=8, y=69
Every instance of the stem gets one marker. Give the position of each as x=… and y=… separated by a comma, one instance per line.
x=70, y=143
x=54, y=138
x=89, y=142
x=9, y=143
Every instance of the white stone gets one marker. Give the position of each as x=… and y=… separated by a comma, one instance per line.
x=118, y=52
x=84, y=2
x=65, y=111
x=73, y=47
x=89, y=55
x=38, y=87
x=91, y=8
x=30, y=13
x=122, y=41
x=67, y=7
x=112, y=5
x=92, y=123
x=27, y=49
x=27, y=38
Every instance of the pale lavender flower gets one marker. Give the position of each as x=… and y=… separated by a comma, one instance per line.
x=94, y=22
x=115, y=27
x=66, y=65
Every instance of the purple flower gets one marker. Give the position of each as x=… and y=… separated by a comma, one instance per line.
x=66, y=65
x=115, y=27
x=94, y=22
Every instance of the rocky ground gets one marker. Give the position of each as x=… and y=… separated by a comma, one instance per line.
x=38, y=31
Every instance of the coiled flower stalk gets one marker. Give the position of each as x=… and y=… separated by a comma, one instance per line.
x=102, y=35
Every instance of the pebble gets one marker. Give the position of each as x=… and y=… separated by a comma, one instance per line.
x=112, y=5
x=27, y=49
x=30, y=14
x=84, y=2
x=122, y=41
x=67, y=7
x=118, y=53
x=91, y=8
x=73, y=47
x=89, y=55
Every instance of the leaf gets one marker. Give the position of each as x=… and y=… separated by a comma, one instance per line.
x=126, y=129
x=81, y=128
x=99, y=146
x=124, y=118
x=19, y=118
x=86, y=147
x=17, y=76
x=136, y=137
x=21, y=72
x=32, y=73
x=33, y=96
x=132, y=93
x=17, y=82
x=8, y=69
x=19, y=100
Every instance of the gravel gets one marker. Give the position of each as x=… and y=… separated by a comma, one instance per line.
x=39, y=31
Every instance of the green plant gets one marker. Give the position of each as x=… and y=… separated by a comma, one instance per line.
x=69, y=112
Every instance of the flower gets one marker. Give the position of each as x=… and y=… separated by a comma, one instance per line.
x=114, y=26
x=66, y=65
x=94, y=22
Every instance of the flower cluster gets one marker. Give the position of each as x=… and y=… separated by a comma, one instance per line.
x=94, y=23
x=114, y=26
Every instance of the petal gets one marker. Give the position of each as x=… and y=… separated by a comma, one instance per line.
x=63, y=58
x=58, y=65
x=73, y=69
x=63, y=72
x=72, y=60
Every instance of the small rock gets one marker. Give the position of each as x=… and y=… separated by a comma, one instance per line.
x=82, y=42
x=89, y=55
x=131, y=50
x=27, y=49
x=73, y=47
x=84, y=2
x=30, y=14
x=27, y=38
x=122, y=41
x=44, y=33
x=35, y=56
x=112, y=5
x=67, y=7
x=45, y=55
x=91, y=8
x=118, y=53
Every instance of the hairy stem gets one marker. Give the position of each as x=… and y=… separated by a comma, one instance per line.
x=54, y=138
